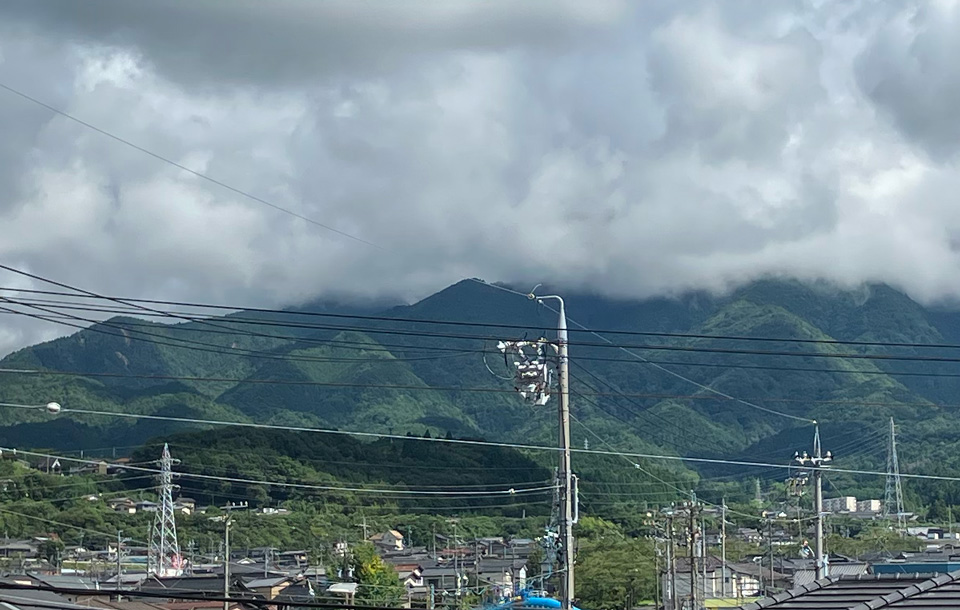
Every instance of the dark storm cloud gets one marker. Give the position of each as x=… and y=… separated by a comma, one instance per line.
x=630, y=148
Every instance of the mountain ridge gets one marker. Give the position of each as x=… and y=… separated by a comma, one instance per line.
x=616, y=397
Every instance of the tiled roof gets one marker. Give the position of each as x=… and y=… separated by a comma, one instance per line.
x=869, y=592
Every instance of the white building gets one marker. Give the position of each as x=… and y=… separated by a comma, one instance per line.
x=869, y=506
x=845, y=504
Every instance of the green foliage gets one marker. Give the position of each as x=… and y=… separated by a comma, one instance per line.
x=379, y=583
x=613, y=571
x=658, y=419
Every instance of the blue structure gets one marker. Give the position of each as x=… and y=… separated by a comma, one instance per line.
x=524, y=600
x=917, y=567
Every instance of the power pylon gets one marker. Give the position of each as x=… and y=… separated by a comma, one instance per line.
x=164, y=557
x=893, y=493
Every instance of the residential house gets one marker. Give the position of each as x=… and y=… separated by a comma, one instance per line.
x=185, y=506
x=508, y=576
x=59, y=581
x=98, y=468
x=301, y=591
x=18, y=548
x=203, y=586
x=268, y=588
x=122, y=505
x=147, y=506
x=749, y=534
x=410, y=574
x=876, y=592
x=25, y=599
x=292, y=559
x=444, y=577
x=803, y=571
x=187, y=502
x=738, y=580
x=932, y=561
x=390, y=540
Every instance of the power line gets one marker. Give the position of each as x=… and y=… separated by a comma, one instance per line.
x=677, y=335
x=627, y=348
x=670, y=371
x=481, y=390
x=607, y=342
x=474, y=443
x=310, y=486
x=408, y=347
x=182, y=167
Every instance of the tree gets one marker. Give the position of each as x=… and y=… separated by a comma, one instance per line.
x=379, y=583
x=615, y=574
x=51, y=550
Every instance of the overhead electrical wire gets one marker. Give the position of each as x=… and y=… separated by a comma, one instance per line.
x=382, y=318
x=199, y=345
x=184, y=168
x=482, y=390
x=413, y=492
x=460, y=351
x=607, y=343
x=675, y=458
x=664, y=369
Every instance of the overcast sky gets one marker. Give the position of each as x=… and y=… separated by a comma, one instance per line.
x=632, y=148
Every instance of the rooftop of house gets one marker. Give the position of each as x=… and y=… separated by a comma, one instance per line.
x=106, y=604
x=260, y=583
x=65, y=581
x=869, y=592
x=35, y=600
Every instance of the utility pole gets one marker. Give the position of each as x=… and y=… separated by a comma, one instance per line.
x=363, y=526
x=723, y=548
x=817, y=462
x=226, y=561
x=566, y=475
x=672, y=562
x=533, y=384
x=703, y=557
x=119, y=559
x=770, y=550
x=693, y=551
x=456, y=556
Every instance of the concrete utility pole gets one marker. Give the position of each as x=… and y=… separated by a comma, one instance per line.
x=817, y=462
x=770, y=550
x=566, y=474
x=226, y=561
x=672, y=563
x=703, y=557
x=533, y=384
x=693, y=551
x=723, y=548
x=119, y=558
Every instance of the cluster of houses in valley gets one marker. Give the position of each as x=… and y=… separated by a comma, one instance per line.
x=495, y=565
x=494, y=568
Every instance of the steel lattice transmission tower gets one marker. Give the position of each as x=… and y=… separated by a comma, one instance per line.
x=893, y=494
x=164, y=555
